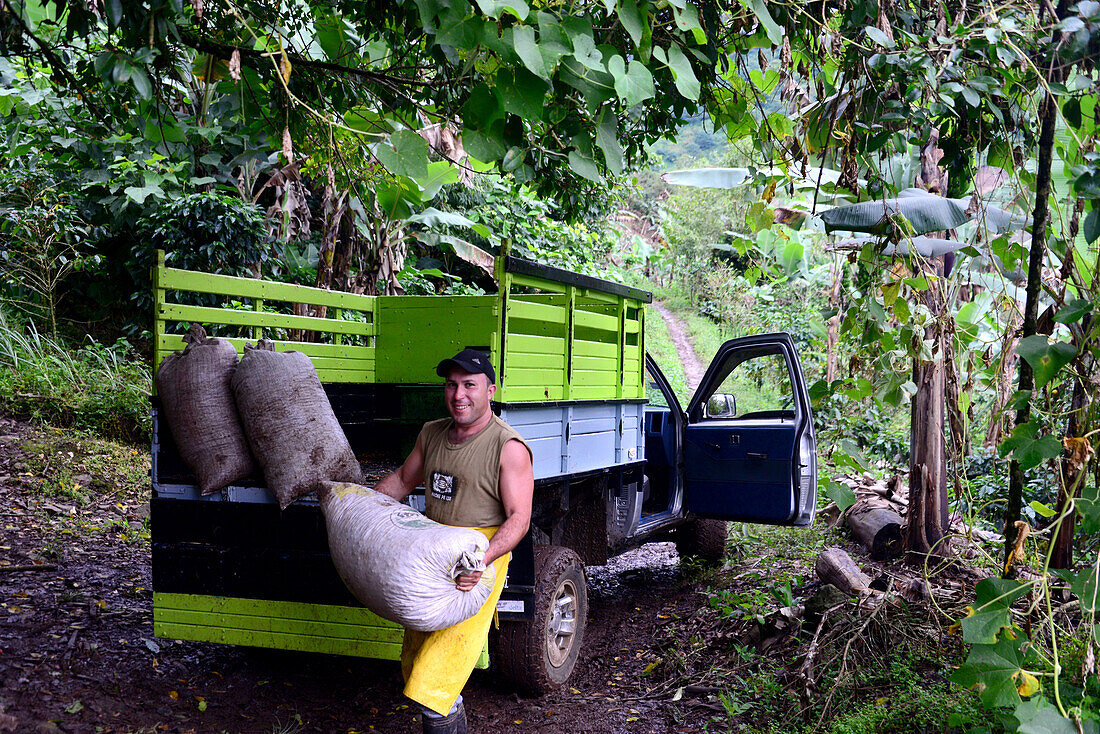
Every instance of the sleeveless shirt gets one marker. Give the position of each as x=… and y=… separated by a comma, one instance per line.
x=462, y=481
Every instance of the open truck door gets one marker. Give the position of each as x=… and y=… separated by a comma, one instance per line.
x=749, y=452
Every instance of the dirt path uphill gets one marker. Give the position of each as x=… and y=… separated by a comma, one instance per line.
x=677, y=329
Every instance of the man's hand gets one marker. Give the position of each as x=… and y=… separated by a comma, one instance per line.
x=467, y=581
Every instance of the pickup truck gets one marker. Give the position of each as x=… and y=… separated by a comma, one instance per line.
x=617, y=461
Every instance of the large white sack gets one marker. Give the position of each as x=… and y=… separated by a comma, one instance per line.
x=398, y=563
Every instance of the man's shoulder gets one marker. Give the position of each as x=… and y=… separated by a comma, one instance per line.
x=437, y=427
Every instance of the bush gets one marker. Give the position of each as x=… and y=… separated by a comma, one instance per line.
x=101, y=388
x=207, y=232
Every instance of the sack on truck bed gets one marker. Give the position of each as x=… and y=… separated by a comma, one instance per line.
x=401, y=565
x=194, y=389
x=289, y=423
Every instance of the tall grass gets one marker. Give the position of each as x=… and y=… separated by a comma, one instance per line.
x=101, y=388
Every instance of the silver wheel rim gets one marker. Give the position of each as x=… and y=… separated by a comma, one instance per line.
x=561, y=630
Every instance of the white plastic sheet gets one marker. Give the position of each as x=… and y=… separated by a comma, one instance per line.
x=398, y=563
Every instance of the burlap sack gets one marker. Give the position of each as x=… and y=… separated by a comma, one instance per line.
x=193, y=385
x=289, y=423
x=401, y=565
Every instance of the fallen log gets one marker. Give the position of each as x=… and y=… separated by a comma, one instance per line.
x=834, y=566
x=876, y=525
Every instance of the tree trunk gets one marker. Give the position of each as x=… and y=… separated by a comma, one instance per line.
x=833, y=332
x=834, y=566
x=1003, y=385
x=927, y=518
x=875, y=524
x=1048, y=112
x=1074, y=463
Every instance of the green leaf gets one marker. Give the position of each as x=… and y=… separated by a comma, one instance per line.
x=1092, y=225
x=607, y=140
x=438, y=175
x=581, y=160
x=141, y=82
x=1041, y=509
x=523, y=40
x=1027, y=448
x=495, y=8
x=1039, y=716
x=843, y=495
x=1087, y=588
x=686, y=17
x=140, y=194
x=682, y=73
x=1045, y=359
x=924, y=246
x=1088, y=508
x=485, y=145
x=523, y=93
x=367, y=121
x=1073, y=311
x=432, y=217
x=585, y=51
x=708, y=178
x=991, y=669
x=924, y=211
x=405, y=155
x=634, y=18
x=760, y=9
x=394, y=199
x=114, y=13
x=879, y=36
x=633, y=82
x=459, y=32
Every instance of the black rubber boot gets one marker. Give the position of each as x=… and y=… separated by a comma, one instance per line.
x=452, y=723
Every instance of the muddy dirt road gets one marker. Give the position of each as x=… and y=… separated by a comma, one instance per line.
x=77, y=652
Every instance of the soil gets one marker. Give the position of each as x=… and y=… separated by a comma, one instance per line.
x=77, y=651
x=678, y=332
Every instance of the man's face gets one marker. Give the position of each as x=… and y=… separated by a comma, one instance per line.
x=467, y=396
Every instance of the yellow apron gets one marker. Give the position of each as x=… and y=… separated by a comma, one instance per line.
x=436, y=665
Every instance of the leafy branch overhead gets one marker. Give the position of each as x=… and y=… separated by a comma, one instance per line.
x=558, y=97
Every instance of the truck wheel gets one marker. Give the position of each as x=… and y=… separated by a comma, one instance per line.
x=704, y=539
x=539, y=655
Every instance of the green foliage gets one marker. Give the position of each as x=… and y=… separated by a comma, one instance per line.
x=205, y=232
x=97, y=387
x=45, y=242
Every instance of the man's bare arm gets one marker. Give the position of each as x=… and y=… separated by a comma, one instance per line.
x=400, y=484
x=517, y=487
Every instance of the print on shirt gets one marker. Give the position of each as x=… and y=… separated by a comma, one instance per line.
x=442, y=486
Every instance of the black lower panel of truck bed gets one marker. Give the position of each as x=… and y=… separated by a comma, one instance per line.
x=254, y=551
x=248, y=550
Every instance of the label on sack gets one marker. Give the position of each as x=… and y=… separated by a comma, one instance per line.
x=410, y=519
x=510, y=605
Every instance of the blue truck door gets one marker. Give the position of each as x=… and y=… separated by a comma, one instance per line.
x=749, y=452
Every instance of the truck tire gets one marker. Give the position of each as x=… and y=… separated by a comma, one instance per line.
x=538, y=656
x=704, y=539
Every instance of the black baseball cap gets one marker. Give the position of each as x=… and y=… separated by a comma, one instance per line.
x=468, y=360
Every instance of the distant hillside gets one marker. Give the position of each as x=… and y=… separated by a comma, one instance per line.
x=696, y=143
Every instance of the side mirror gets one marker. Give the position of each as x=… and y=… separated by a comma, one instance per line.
x=721, y=405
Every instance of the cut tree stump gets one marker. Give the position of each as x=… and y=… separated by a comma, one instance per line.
x=876, y=525
x=834, y=566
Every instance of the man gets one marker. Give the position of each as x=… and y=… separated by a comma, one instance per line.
x=478, y=474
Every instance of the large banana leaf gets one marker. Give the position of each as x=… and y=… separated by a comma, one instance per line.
x=709, y=178
x=469, y=252
x=924, y=246
x=925, y=212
